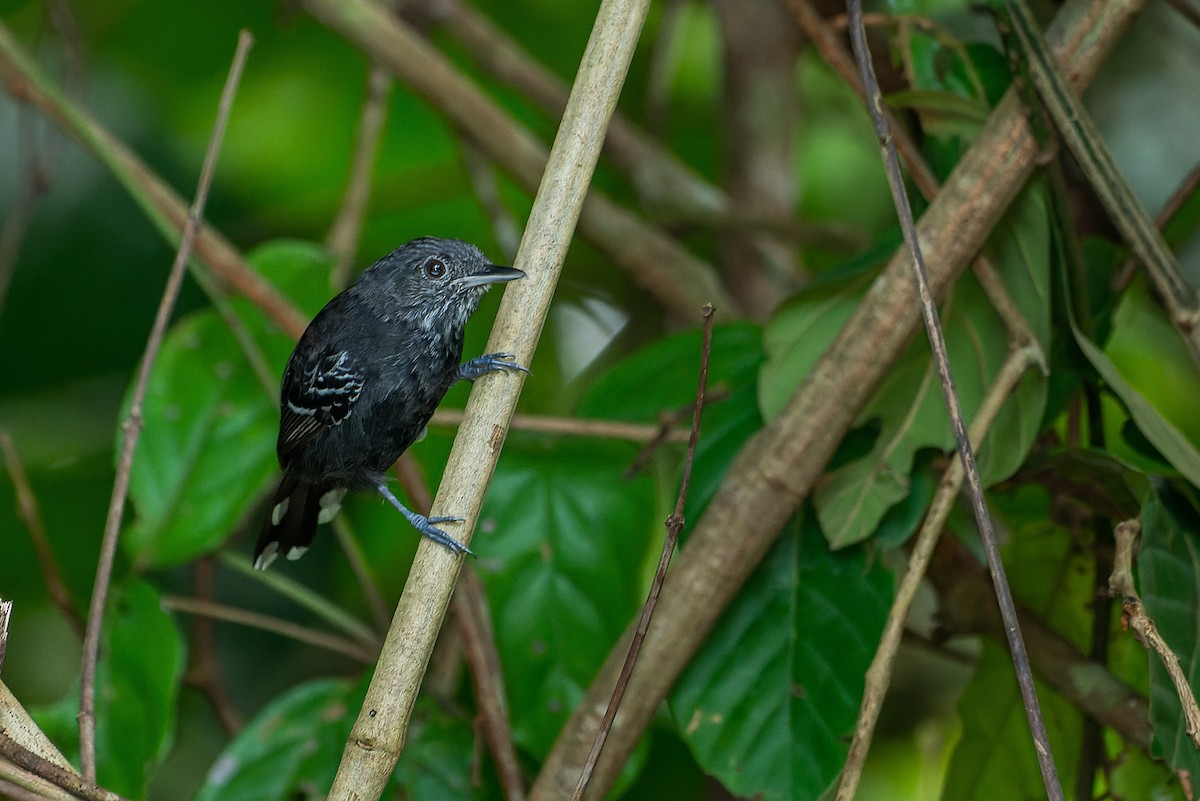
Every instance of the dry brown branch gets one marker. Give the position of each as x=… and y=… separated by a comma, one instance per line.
x=56, y=774
x=675, y=277
x=205, y=670
x=1121, y=584
x=962, y=441
x=132, y=425
x=970, y=608
x=778, y=467
x=662, y=180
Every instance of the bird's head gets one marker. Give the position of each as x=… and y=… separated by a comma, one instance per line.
x=437, y=282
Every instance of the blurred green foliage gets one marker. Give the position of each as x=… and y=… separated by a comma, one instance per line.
x=566, y=543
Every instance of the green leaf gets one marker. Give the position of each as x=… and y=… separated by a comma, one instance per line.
x=768, y=702
x=1168, y=572
x=908, y=406
x=566, y=538
x=207, y=452
x=293, y=747
x=1174, y=446
x=208, y=448
x=137, y=683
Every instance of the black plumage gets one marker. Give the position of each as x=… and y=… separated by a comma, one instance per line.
x=364, y=380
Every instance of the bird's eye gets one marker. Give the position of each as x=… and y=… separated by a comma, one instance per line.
x=435, y=268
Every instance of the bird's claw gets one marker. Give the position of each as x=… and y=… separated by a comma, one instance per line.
x=428, y=528
x=489, y=363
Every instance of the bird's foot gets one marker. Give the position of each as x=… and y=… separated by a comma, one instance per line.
x=489, y=363
x=427, y=525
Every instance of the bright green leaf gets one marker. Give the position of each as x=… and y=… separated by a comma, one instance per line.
x=768, y=702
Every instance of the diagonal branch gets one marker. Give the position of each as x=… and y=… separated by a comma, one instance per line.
x=777, y=468
x=378, y=734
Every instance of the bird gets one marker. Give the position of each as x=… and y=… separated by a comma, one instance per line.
x=363, y=381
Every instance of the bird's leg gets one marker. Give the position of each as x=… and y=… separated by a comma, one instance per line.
x=488, y=363
x=426, y=525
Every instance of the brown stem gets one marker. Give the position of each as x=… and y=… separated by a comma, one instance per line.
x=284, y=628
x=68, y=780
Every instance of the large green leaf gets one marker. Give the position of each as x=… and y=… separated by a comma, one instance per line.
x=137, y=682
x=208, y=449
x=293, y=747
x=1168, y=572
x=908, y=407
x=566, y=537
x=767, y=703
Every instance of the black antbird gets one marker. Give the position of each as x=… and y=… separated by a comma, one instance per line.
x=364, y=380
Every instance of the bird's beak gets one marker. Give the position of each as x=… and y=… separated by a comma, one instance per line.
x=490, y=275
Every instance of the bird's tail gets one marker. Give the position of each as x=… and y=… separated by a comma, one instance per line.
x=296, y=509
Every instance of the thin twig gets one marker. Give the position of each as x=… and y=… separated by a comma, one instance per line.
x=1121, y=584
x=15, y=792
x=69, y=780
x=477, y=639
x=132, y=425
x=169, y=213
x=487, y=677
x=668, y=432
x=284, y=628
x=343, y=236
x=27, y=507
x=879, y=675
x=937, y=343
x=303, y=596
x=674, y=525
x=44, y=156
x=578, y=427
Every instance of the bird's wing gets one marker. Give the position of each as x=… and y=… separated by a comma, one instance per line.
x=318, y=393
